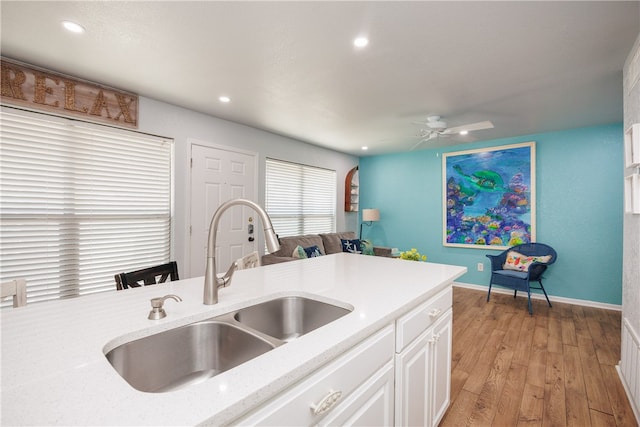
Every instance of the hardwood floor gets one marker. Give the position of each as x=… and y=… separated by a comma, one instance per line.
x=555, y=368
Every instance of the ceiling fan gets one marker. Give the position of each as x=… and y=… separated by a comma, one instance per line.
x=437, y=127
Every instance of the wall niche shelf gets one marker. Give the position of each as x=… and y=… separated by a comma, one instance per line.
x=351, y=191
x=632, y=194
x=632, y=146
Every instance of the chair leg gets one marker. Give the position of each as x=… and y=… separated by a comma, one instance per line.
x=489, y=293
x=545, y=293
x=529, y=301
x=515, y=293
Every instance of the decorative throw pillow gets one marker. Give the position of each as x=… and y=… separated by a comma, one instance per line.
x=299, y=252
x=312, y=251
x=518, y=262
x=367, y=247
x=352, y=246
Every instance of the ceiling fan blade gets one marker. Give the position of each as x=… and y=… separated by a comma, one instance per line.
x=470, y=127
x=424, y=138
x=418, y=144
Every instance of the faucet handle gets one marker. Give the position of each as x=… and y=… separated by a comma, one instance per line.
x=157, y=312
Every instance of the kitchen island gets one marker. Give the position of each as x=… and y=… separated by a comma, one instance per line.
x=54, y=369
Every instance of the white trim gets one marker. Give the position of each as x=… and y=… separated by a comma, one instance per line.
x=636, y=411
x=552, y=298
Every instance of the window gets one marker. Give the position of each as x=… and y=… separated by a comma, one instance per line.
x=80, y=203
x=300, y=199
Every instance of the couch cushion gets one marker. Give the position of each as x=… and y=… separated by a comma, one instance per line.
x=332, y=243
x=288, y=244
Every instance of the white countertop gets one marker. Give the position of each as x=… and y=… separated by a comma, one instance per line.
x=54, y=371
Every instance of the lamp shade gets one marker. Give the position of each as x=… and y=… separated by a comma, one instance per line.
x=370, y=215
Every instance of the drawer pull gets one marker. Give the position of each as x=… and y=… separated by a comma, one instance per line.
x=326, y=403
x=435, y=312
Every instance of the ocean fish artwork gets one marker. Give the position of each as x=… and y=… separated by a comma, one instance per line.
x=484, y=180
x=489, y=196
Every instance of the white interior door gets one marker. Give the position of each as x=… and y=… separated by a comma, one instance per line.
x=218, y=175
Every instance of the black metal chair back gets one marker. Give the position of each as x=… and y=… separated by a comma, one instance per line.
x=147, y=276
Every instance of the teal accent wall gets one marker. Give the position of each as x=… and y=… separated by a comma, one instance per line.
x=579, y=183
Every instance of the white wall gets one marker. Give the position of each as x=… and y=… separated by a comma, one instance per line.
x=183, y=125
x=631, y=250
x=630, y=354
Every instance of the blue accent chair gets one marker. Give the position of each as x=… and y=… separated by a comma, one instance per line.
x=520, y=280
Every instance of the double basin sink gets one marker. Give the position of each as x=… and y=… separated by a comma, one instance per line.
x=190, y=354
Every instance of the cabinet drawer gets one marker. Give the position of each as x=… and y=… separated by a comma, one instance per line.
x=294, y=407
x=412, y=324
x=369, y=405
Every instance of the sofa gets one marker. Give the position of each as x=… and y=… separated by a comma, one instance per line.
x=329, y=243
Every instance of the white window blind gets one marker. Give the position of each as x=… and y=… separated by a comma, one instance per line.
x=300, y=199
x=80, y=203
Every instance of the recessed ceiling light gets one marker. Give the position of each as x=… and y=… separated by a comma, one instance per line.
x=365, y=148
x=464, y=132
x=73, y=27
x=361, y=42
x=224, y=99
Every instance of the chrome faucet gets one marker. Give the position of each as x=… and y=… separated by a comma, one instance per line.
x=211, y=281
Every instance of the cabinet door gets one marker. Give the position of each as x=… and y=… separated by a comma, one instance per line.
x=423, y=376
x=441, y=368
x=370, y=405
x=412, y=383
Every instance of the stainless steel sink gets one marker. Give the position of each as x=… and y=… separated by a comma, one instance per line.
x=187, y=355
x=190, y=354
x=289, y=317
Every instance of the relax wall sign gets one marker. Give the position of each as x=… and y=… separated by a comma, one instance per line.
x=38, y=89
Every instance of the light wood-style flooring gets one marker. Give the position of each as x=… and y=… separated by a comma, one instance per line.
x=555, y=368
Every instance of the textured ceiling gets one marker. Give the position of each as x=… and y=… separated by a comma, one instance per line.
x=291, y=68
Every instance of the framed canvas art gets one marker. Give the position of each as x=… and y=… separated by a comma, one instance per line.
x=489, y=197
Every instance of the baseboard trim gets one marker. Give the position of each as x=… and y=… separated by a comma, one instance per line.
x=535, y=295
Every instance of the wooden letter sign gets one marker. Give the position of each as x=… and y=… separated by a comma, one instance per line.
x=43, y=90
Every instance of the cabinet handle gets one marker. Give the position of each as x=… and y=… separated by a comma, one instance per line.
x=435, y=312
x=434, y=339
x=326, y=403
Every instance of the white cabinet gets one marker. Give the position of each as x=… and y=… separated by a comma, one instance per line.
x=370, y=405
x=354, y=389
x=399, y=376
x=423, y=363
x=440, y=382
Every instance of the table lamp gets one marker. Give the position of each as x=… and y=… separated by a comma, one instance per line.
x=368, y=216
